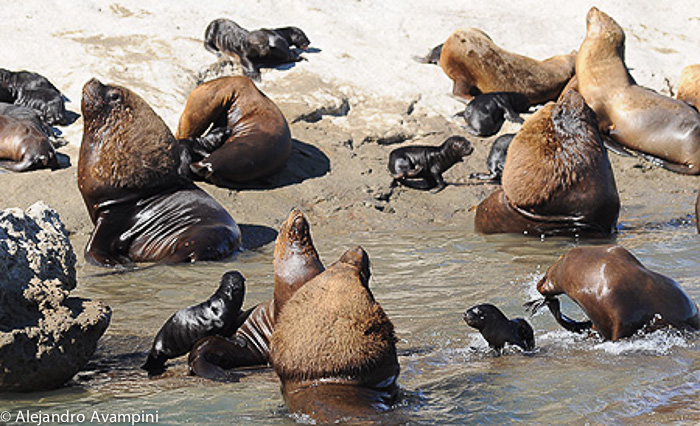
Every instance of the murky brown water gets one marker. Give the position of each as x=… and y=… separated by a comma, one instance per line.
x=424, y=281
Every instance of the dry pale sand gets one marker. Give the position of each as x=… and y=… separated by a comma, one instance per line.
x=359, y=79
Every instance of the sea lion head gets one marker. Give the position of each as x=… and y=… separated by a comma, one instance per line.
x=459, y=145
x=602, y=27
x=125, y=145
x=294, y=234
x=232, y=287
x=357, y=258
x=298, y=38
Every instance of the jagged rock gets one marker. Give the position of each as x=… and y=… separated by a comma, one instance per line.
x=45, y=336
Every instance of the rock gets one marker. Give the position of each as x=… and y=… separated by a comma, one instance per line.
x=45, y=336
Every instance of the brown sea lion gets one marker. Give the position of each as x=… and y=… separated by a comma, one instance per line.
x=260, y=141
x=295, y=262
x=23, y=147
x=334, y=348
x=557, y=178
x=476, y=65
x=137, y=192
x=689, y=86
x=660, y=128
x=618, y=294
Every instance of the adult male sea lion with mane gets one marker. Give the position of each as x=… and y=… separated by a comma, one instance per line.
x=660, y=128
x=133, y=176
x=557, y=178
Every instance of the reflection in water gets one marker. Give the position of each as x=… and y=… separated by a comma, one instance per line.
x=424, y=281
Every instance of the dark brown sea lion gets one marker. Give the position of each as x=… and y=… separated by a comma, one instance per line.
x=689, y=86
x=486, y=113
x=660, y=128
x=421, y=167
x=557, y=177
x=476, y=65
x=295, y=262
x=618, y=294
x=29, y=115
x=334, y=348
x=23, y=147
x=219, y=315
x=280, y=41
x=260, y=141
x=498, y=330
x=136, y=188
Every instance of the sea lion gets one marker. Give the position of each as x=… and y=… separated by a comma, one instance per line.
x=477, y=65
x=30, y=116
x=280, y=41
x=485, y=114
x=689, y=86
x=557, y=178
x=619, y=295
x=295, y=262
x=334, y=348
x=421, y=167
x=218, y=315
x=34, y=91
x=497, y=329
x=23, y=147
x=260, y=141
x=132, y=174
x=662, y=129
x=496, y=159
x=225, y=36
x=433, y=57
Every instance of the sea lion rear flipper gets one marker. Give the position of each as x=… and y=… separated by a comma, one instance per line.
x=566, y=322
x=674, y=167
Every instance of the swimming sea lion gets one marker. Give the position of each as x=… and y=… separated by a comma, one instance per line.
x=557, y=177
x=137, y=190
x=485, y=114
x=421, y=167
x=497, y=329
x=218, y=315
x=260, y=141
x=618, y=294
x=660, y=128
x=334, y=348
x=296, y=261
x=689, y=86
x=23, y=147
x=496, y=159
x=476, y=65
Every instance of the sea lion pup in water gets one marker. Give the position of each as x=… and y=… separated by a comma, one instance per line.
x=662, y=129
x=689, y=86
x=476, y=65
x=557, y=177
x=498, y=330
x=218, y=315
x=334, y=348
x=296, y=261
x=23, y=147
x=421, y=167
x=618, y=294
x=260, y=142
x=134, y=177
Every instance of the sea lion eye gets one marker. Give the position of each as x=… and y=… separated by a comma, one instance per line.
x=115, y=97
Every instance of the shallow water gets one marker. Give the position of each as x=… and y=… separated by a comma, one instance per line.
x=424, y=281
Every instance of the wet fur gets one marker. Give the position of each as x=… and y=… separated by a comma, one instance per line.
x=498, y=330
x=496, y=160
x=485, y=114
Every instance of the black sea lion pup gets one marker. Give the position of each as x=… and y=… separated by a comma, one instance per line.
x=130, y=174
x=619, y=295
x=225, y=36
x=29, y=115
x=499, y=330
x=334, y=347
x=48, y=103
x=421, y=167
x=295, y=262
x=23, y=147
x=218, y=315
x=485, y=114
x=496, y=159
